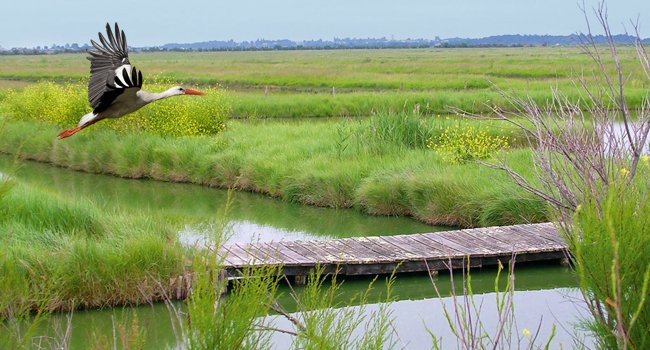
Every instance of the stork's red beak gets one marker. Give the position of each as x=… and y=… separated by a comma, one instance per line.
x=193, y=92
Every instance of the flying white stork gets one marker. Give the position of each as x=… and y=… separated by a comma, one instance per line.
x=114, y=86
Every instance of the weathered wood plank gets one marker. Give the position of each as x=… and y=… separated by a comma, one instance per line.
x=436, y=248
x=407, y=252
x=482, y=239
x=297, y=247
x=417, y=249
x=298, y=259
x=445, y=242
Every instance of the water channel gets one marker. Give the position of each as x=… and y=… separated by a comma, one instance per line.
x=545, y=296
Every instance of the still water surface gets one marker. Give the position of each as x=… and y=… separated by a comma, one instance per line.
x=545, y=293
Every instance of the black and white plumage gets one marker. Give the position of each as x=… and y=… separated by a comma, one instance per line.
x=114, y=86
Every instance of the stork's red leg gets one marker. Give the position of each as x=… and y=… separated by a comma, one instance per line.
x=69, y=132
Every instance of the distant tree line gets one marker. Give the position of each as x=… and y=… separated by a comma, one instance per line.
x=514, y=40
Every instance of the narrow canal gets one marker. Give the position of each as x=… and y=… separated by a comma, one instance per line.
x=545, y=295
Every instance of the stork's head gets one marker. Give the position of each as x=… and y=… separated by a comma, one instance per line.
x=179, y=90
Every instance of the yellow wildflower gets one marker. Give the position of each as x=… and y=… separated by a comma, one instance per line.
x=645, y=158
x=624, y=172
x=526, y=332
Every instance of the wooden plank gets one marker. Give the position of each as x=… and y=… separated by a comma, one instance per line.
x=324, y=254
x=227, y=252
x=520, y=242
x=550, y=233
x=370, y=250
x=438, y=249
x=349, y=255
x=289, y=258
x=407, y=250
x=242, y=254
x=309, y=254
x=472, y=245
x=419, y=250
x=231, y=259
x=511, y=239
x=297, y=258
x=441, y=238
x=262, y=256
x=386, y=252
x=528, y=235
x=490, y=245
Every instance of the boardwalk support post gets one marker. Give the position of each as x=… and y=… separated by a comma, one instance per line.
x=300, y=280
x=222, y=280
x=565, y=261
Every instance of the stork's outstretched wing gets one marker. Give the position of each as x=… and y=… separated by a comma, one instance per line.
x=110, y=70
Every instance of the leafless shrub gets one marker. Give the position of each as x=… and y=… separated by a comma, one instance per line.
x=581, y=145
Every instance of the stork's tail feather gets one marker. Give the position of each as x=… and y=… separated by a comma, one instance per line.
x=69, y=132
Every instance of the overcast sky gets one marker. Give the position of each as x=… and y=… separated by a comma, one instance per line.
x=28, y=23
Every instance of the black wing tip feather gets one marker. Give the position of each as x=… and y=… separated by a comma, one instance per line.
x=113, y=44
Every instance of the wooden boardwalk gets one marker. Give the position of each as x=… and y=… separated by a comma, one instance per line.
x=403, y=253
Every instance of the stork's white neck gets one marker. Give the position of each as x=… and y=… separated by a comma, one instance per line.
x=148, y=97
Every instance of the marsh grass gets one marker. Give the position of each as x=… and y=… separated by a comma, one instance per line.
x=386, y=132
x=69, y=254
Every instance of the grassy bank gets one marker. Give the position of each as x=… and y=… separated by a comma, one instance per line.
x=371, y=164
x=63, y=254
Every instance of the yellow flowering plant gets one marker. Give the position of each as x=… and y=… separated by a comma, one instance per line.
x=64, y=104
x=461, y=144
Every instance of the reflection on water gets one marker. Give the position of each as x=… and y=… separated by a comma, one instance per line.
x=621, y=136
x=544, y=298
x=243, y=232
x=534, y=310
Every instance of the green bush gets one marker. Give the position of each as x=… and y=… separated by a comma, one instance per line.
x=610, y=240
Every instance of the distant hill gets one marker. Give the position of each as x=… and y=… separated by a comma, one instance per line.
x=353, y=43
x=534, y=40
x=286, y=44
x=510, y=40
